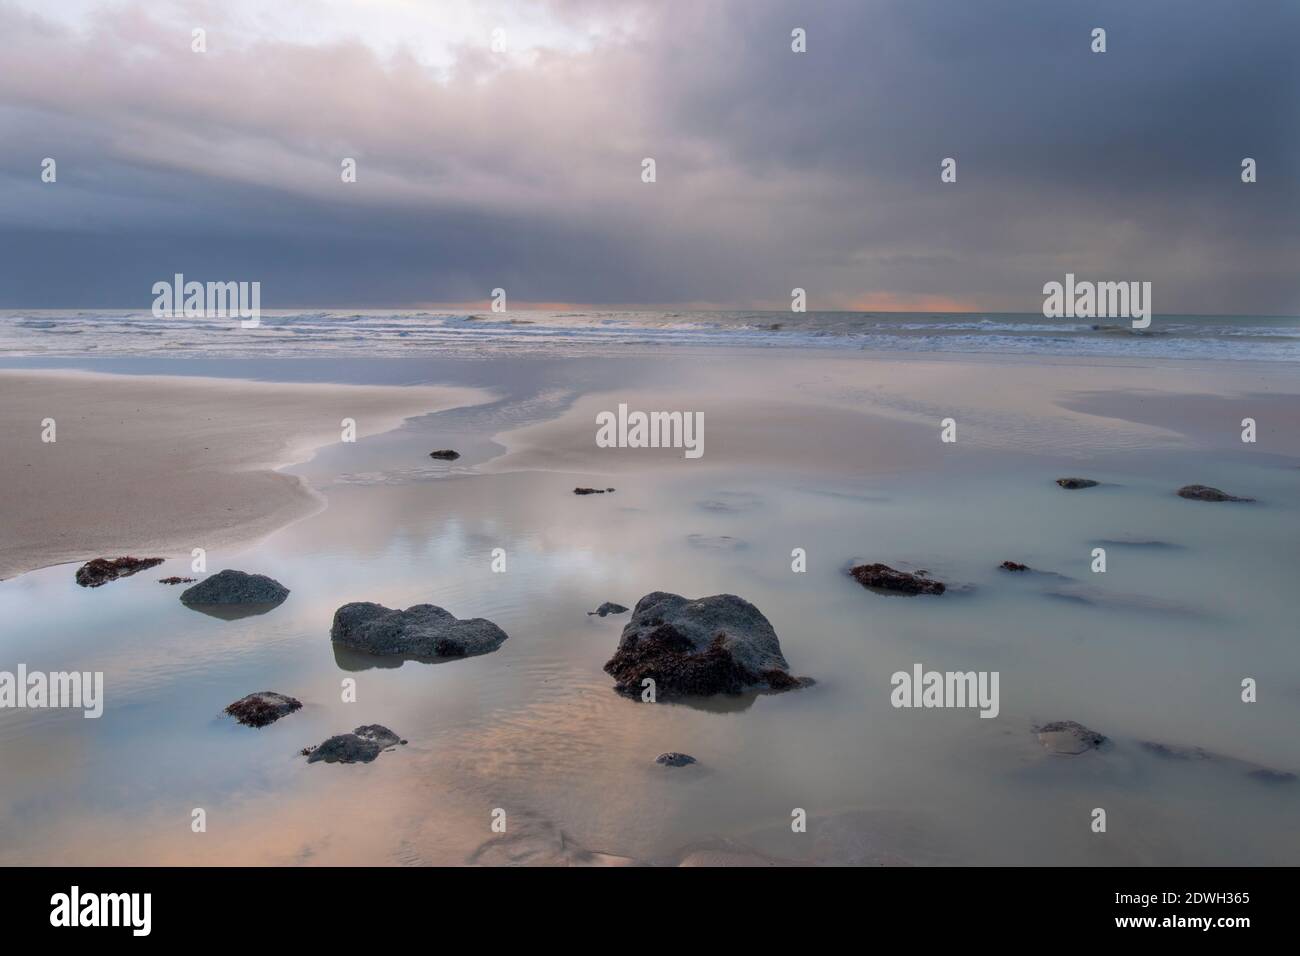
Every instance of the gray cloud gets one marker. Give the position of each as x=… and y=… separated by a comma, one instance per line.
x=775, y=169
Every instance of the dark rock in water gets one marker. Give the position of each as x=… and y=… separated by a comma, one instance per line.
x=674, y=759
x=1075, y=483
x=714, y=645
x=235, y=589
x=1068, y=738
x=100, y=571
x=591, y=491
x=1013, y=566
x=1252, y=770
x=885, y=578
x=361, y=746
x=1170, y=752
x=445, y=454
x=1265, y=775
x=175, y=580
x=264, y=707
x=1206, y=493
x=420, y=631
x=609, y=607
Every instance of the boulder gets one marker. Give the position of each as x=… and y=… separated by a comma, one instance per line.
x=361, y=746
x=1206, y=493
x=1076, y=483
x=235, y=588
x=100, y=571
x=264, y=707
x=419, y=631
x=885, y=578
x=713, y=645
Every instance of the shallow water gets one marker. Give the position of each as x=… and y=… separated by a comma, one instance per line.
x=1154, y=649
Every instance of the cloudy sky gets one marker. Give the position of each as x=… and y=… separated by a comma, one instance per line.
x=522, y=169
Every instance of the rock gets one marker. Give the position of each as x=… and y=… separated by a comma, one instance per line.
x=361, y=746
x=1076, y=483
x=609, y=607
x=235, y=588
x=100, y=571
x=445, y=454
x=714, y=645
x=674, y=759
x=591, y=491
x=1252, y=770
x=1013, y=566
x=264, y=707
x=420, y=631
x=1266, y=775
x=1206, y=493
x=1068, y=738
x=175, y=580
x=885, y=578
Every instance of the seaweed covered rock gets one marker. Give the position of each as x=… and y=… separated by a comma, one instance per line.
x=1206, y=493
x=264, y=707
x=100, y=571
x=361, y=746
x=885, y=578
x=422, y=630
x=714, y=645
x=1013, y=566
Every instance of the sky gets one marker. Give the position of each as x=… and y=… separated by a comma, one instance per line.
x=521, y=167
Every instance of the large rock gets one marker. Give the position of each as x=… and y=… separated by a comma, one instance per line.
x=232, y=588
x=714, y=645
x=1206, y=493
x=884, y=578
x=264, y=707
x=100, y=571
x=361, y=746
x=420, y=631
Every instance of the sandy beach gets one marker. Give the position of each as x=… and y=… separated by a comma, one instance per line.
x=837, y=455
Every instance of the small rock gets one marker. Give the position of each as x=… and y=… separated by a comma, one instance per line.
x=235, y=588
x=444, y=454
x=1267, y=775
x=100, y=571
x=1013, y=566
x=419, y=631
x=264, y=707
x=609, y=607
x=1206, y=493
x=591, y=491
x=674, y=759
x=175, y=580
x=361, y=746
x=1075, y=483
x=1068, y=738
x=885, y=578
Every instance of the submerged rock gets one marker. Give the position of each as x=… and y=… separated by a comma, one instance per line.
x=235, y=588
x=175, y=580
x=1076, y=483
x=1206, y=493
x=674, y=759
x=444, y=454
x=361, y=746
x=609, y=607
x=885, y=578
x=100, y=571
x=591, y=491
x=714, y=645
x=264, y=707
x=1013, y=566
x=1066, y=737
x=1252, y=770
x=419, y=631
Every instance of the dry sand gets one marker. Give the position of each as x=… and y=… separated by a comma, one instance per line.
x=160, y=465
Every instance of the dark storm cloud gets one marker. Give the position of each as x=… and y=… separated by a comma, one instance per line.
x=776, y=169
